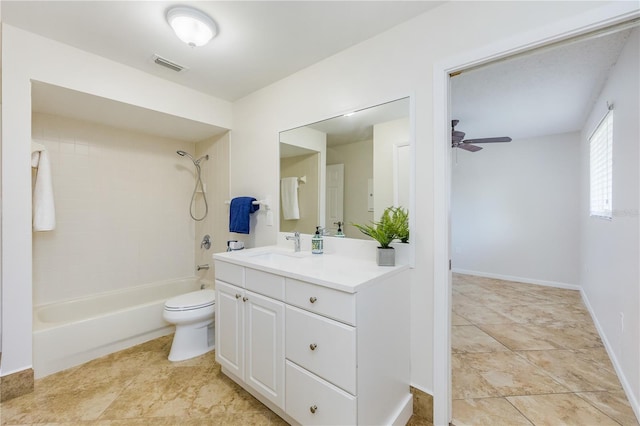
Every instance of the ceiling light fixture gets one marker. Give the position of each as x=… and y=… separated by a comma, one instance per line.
x=191, y=25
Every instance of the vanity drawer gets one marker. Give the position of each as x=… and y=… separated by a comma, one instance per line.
x=323, y=346
x=312, y=401
x=264, y=283
x=230, y=273
x=322, y=300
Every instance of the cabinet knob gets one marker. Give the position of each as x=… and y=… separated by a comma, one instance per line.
x=313, y=299
x=313, y=409
x=244, y=299
x=313, y=346
x=238, y=296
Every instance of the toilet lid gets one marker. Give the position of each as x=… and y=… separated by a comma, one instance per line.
x=194, y=300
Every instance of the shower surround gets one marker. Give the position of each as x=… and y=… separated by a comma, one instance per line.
x=122, y=201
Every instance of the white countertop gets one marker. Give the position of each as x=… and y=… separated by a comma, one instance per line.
x=335, y=271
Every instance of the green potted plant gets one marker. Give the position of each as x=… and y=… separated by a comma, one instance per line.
x=400, y=218
x=384, y=232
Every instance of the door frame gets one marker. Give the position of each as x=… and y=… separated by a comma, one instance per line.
x=592, y=20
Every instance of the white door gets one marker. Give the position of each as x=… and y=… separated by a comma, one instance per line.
x=230, y=328
x=264, y=346
x=335, y=197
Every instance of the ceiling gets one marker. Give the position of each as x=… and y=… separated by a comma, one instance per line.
x=543, y=92
x=259, y=42
x=548, y=91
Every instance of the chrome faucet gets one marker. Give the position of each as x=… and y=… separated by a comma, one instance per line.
x=296, y=240
x=206, y=242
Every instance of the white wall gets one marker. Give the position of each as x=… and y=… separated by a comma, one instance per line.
x=395, y=64
x=514, y=210
x=27, y=57
x=610, y=252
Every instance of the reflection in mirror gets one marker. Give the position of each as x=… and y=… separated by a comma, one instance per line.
x=355, y=166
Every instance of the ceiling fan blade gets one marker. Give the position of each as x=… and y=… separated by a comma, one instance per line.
x=488, y=140
x=468, y=147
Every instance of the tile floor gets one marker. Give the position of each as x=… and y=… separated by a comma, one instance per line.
x=529, y=355
x=140, y=387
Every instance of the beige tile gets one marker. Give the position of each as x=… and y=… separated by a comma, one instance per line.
x=188, y=392
x=560, y=409
x=614, y=404
x=469, y=383
x=85, y=403
x=458, y=320
x=557, y=295
x=547, y=314
x=527, y=337
x=574, y=369
x=422, y=405
x=520, y=337
x=573, y=336
x=486, y=412
x=506, y=297
x=16, y=384
x=553, y=334
x=469, y=338
x=501, y=374
x=418, y=421
x=477, y=314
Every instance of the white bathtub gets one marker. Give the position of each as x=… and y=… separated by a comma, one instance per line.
x=67, y=334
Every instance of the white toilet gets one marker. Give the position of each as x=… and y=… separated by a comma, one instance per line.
x=192, y=313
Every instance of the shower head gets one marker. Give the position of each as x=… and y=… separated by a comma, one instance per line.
x=183, y=153
x=195, y=162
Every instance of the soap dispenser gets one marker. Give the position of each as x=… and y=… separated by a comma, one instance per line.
x=339, y=233
x=317, y=242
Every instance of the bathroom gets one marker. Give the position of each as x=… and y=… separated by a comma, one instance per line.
x=320, y=91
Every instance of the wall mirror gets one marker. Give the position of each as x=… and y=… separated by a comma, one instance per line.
x=345, y=169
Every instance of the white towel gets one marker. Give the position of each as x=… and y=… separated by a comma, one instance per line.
x=289, y=196
x=44, y=213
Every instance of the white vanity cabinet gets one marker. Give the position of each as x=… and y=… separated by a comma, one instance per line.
x=249, y=343
x=328, y=348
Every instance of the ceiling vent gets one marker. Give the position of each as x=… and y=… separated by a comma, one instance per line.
x=167, y=63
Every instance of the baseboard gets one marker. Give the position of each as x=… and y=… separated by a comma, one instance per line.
x=517, y=279
x=633, y=399
x=401, y=418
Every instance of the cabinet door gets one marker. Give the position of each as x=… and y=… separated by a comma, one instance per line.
x=230, y=328
x=264, y=346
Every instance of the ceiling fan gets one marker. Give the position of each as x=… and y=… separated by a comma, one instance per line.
x=458, y=141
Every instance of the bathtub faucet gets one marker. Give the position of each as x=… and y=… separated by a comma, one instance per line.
x=205, y=266
x=206, y=242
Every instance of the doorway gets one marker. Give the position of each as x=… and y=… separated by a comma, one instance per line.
x=442, y=161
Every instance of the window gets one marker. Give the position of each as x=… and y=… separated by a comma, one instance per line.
x=600, y=162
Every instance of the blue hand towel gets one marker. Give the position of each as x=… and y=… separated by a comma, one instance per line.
x=239, y=211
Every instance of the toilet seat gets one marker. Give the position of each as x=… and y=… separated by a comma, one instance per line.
x=191, y=301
